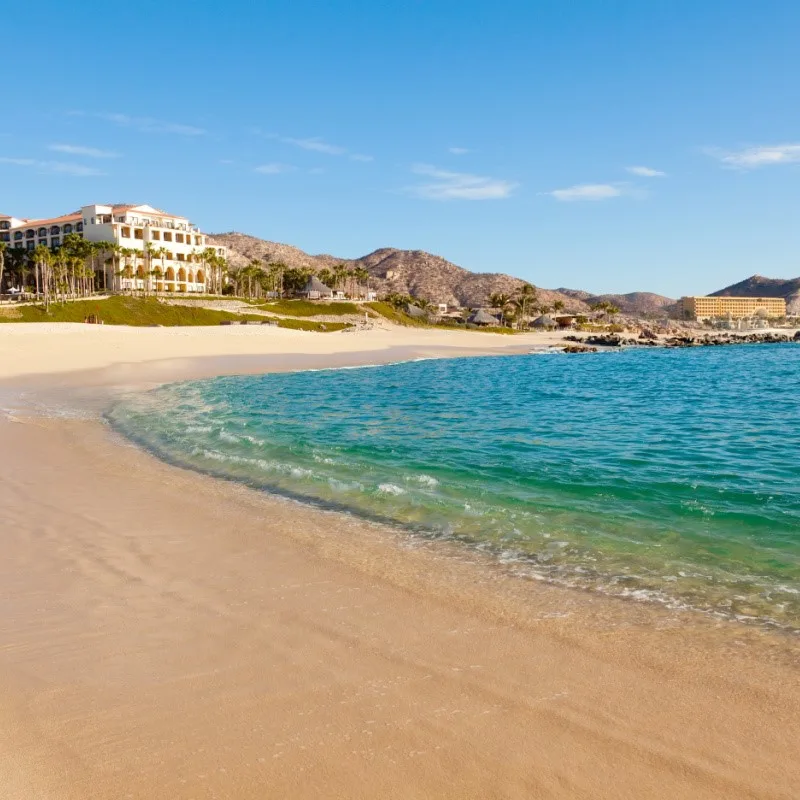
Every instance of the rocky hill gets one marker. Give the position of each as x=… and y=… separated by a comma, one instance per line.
x=422, y=274
x=634, y=303
x=759, y=286
x=413, y=272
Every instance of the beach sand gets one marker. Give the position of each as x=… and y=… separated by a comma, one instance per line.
x=167, y=635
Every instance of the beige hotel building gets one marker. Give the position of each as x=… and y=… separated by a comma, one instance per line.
x=132, y=227
x=701, y=308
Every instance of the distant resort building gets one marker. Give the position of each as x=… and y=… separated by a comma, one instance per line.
x=175, y=244
x=702, y=308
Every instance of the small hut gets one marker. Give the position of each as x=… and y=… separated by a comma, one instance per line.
x=315, y=289
x=482, y=318
x=544, y=322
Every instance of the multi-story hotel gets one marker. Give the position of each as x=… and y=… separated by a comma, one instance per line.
x=701, y=308
x=174, y=243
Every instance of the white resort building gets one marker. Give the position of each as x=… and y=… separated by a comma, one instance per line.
x=170, y=245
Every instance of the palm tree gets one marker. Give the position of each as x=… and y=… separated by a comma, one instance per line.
x=42, y=259
x=362, y=276
x=524, y=300
x=558, y=305
x=501, y=301
x=3, y=247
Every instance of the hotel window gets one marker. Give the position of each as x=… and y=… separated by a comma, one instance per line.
x=179, y=237
x=43, y=241
x=79, y=227
x=5, y=225
x=30, y=234
x=5, y=237
x=55, y=230
x=56, y=242
x=31, y=245
x=181, y=257
x=167, y=236
x=17, y=235
x=198, y=240
x=156, y=235
x=126, y=233
x=42, y=231
x=138, y=233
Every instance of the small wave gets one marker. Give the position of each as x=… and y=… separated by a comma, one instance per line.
x=391, y=488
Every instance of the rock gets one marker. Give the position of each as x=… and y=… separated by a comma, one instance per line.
x=579, y=348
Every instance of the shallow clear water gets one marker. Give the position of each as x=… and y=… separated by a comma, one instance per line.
x=659, y=474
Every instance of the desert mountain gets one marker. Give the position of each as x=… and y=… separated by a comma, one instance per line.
x=633, y=303
x=412, y=272
x=422, y=274
x=759, y=286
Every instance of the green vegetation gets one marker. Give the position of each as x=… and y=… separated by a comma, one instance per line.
x=135, y=311
x=311, y=325
x=307, y=308
x=396, y=315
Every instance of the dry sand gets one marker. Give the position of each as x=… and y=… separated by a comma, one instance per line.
x=167, y=635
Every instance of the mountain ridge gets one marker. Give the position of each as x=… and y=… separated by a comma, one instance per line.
x=422, y=274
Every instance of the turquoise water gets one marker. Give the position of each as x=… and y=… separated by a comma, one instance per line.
x=660, y=474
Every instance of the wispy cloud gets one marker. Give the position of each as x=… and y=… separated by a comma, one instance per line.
x=459, y=185
x=59, y=167
x=78, y=150
x=316, y=144
x=646, y=172
x=586, y=191
x=758, y=156
x=144, y=124
x=274, y=168
x=458, y=151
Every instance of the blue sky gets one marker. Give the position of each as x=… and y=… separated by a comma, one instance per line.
x=611, y=146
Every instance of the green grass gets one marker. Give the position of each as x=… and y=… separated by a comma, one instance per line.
x=307, y=308
x=140, y=312
x=312, y=325
x=398, y=317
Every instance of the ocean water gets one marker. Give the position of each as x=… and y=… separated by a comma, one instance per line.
x=662, y=475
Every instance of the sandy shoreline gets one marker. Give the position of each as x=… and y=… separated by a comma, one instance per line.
x=167, y=635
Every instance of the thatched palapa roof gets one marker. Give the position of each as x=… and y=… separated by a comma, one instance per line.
x=314, y=284
x=481, y=317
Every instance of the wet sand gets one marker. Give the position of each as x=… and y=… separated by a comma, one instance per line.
x=167, y=635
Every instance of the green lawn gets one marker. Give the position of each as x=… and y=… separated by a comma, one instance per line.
x=142, y=312
x=308, y=308
x=398, y=317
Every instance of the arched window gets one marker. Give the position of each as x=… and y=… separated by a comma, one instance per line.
x=54, y=230
x=67, y=228
x=200, y=278
x=30, y=234
x=42, y=231
x=17, y=235
x=181, y=274
x=170, y=274
x=79, y=227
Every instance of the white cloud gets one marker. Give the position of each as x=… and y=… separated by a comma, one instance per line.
x=60, y=167
x=458, y=151
x=78, y=150
x=646, y=172
x=459, y=185
x=150, y=125
x=274, y=168
x=759, y=156
x=316, y=144
x=586, y=191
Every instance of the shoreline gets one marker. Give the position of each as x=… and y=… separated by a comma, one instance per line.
x=169, y=634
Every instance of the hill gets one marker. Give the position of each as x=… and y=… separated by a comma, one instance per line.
x=633, y=303
x=422, y=274
x=759, y=286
